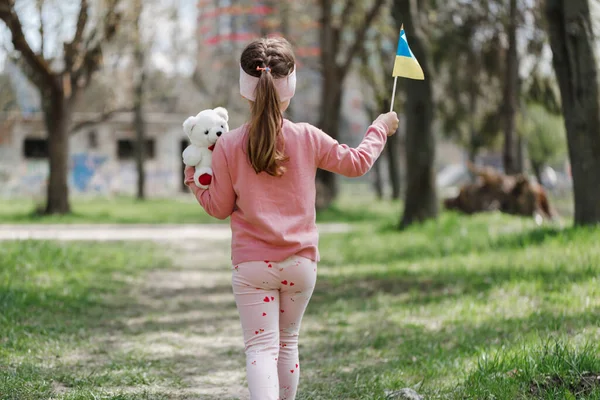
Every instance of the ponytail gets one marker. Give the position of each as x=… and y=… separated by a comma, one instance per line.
x=265, y=141
x=267, y=59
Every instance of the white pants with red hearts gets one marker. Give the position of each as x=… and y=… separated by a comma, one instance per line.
x=271, y=298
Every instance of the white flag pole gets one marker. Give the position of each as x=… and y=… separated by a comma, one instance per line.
x=393, y=94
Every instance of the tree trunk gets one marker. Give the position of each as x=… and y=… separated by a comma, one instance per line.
x=392, y=149
x=378, y=181
x=394, y=165
x=575, y=58
x=57, y=114
x=537, y=170
x=521, y=150
x=138, y=103
x=140, y=137
x=510, y=156
x=331, y=104
x=473, y=137
x=331, y=99
x=420, y=198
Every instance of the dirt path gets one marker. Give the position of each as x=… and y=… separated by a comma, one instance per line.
x=104, y=232
x=184, y=315
x=191, y=319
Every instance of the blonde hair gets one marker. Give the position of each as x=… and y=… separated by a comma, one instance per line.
x=267, y=59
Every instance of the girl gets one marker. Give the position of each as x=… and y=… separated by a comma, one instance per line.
x=264, y=178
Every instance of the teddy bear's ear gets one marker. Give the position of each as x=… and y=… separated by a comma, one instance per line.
x=222, y=112
x=188, y=124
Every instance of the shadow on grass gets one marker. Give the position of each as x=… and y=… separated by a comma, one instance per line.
x=69, y=305
x=356, y=213
x=418, y=353
x=427, y=287
x=389, y=245
x=381, y=348
x=119, y=210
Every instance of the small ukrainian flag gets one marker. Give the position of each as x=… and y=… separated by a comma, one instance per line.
x=406, y=64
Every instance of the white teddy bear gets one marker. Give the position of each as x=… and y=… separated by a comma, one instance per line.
x=204, y=130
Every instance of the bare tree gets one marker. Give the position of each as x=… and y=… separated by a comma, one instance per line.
x=511, y=142
x=218, y=87
x=573, y=38
x=420, y=195
x=378, y=77
x=335, y=64
x=139, y=55
x=61, y=88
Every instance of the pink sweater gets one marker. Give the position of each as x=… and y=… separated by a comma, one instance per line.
x=273, y=218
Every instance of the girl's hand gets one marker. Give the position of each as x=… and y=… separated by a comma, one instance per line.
x=391, y=120
x=189, y=176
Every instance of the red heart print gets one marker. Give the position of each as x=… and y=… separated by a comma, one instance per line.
x=272, y=298
x=291, y=283
x=266, y=299
x=256, y=332
x=267, y=261
x=270, y=266
x=284, y=282
x=264, y=314
x=281, y=310
x=296, y=365
x=292, y=371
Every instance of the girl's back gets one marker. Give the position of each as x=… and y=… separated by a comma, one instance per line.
x=274, y=216
x=274, y=212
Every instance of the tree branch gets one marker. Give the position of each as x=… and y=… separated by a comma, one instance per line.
x=345, y=16
x=360, y=36
x=105, y=116
x=370, y=75
x=40, y=4
x=73, y=48
x=92, y=57
x=40, y=70
x=346, y=12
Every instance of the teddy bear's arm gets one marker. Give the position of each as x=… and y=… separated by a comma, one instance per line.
x=192, y=156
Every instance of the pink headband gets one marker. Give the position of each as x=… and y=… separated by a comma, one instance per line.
x=286, y=87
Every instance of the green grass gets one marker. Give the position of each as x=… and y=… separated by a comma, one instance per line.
x=453, y=307
x=357, y=204
x=552, y=371
x=118, y=210
x=52, y=298
x=180, y=210
x=482, y=307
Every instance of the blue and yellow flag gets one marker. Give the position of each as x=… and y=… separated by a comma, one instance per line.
x=406, y=64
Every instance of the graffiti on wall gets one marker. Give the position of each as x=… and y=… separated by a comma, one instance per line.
x=84, y=168
x=24, y=178
x=89, y=174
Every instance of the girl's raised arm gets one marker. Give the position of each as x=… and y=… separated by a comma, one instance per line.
x=351, y=162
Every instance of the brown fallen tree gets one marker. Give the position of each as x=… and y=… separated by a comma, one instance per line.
x=494, y=191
